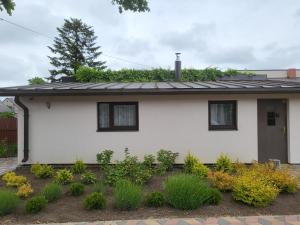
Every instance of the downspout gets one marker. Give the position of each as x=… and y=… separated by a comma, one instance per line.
x=26, y=128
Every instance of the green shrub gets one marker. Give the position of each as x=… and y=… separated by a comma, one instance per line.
x=76, y=189
x=254, y=190
x=186, y=191
x=89, y=74
x=215, y=196
x=95, y=200
x=224, y=164
x=99, y=187
x=155, y=199
x=129, y=168
x=88, y=178
x=8, y=150
x=3, y=150
x=167, y=158
x=194, y=166
x=63, y=176
x=160, y=169
x=52, y=192
x=79, y=167
x=42, y=171
x=149, y=160
x=35, y=204
x=127, y=195
x=8, y=202
x=7, y=114
x=104, y=158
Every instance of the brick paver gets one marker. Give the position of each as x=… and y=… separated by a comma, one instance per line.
x=7, y=164
x=250, y=220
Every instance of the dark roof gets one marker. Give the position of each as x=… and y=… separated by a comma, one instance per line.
x=220, y=86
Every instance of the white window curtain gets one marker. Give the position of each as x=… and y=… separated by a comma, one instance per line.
x=221, y=114
x=124, y=115
x=104, y=115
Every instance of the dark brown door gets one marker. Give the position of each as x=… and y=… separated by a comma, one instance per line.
x=272, y=130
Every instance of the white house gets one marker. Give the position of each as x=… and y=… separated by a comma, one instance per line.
x=250, y=119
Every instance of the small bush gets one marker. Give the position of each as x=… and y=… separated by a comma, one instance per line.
x=104, y=158
x=160, y=169
x=215, y=196
x=79, y=167
x=221, y=180
x=155, y=199
x=8, y=202
x=127, y=196
x=36, y=204
x=95, y=200
x=149, y=160
x=224, y=164
x=63, y=176
x=167, y=158
x=42, y=171
x=76, y=189
x=194, y=166
x=24, y=190
x=284, y=181
x=12, y=180
x=52, y=192
x=88, y=178
x=99, y=187
x=254, y=190
x=186, y=191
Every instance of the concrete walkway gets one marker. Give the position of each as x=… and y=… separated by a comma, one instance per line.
x=7, y=164
x=250, y=220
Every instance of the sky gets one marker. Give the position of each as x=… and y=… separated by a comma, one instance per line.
x=251, y=34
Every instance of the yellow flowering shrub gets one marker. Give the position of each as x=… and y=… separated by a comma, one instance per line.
x=253, y=189
x=12, y=180
x=221, y=180
x=24, y=190
x=284, y=181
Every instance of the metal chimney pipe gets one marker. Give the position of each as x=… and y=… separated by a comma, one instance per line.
x=177, y=67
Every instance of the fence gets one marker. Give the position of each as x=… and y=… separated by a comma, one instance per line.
x=8, y=130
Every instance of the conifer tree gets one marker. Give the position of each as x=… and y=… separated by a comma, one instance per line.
x=74, y=47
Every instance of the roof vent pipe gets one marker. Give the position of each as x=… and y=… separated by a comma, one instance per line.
x=177, y=67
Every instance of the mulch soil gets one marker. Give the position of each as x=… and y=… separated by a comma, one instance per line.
x=70, y=209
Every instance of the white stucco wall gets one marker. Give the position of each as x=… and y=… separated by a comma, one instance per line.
x=67, y=131
x=272, y=73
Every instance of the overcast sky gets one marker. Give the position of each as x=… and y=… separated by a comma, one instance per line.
x=251, y=34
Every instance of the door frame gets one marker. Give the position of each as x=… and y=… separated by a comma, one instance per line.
x=286, y=122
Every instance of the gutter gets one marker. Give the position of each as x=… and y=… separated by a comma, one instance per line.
x=26, y=128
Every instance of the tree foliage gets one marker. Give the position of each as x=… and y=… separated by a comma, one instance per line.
x=87, y=74
x=124, y=5
x=132, y=5
x=36, y=80
x=74, y=47
x=8, y=5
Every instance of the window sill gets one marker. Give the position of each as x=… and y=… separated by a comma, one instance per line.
x=116, y=130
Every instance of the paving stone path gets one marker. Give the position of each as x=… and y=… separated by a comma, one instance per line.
x=250, y=220
x=7, y=164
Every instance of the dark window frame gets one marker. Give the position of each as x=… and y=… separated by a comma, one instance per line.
x=223, y=127
x=111, y=117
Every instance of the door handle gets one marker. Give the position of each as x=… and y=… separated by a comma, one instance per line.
x=284, y=130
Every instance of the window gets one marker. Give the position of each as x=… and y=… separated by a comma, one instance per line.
x=271, y=118
x=117, y=116
x=222, y=115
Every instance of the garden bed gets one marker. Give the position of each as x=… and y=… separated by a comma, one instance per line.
x=70, y=208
